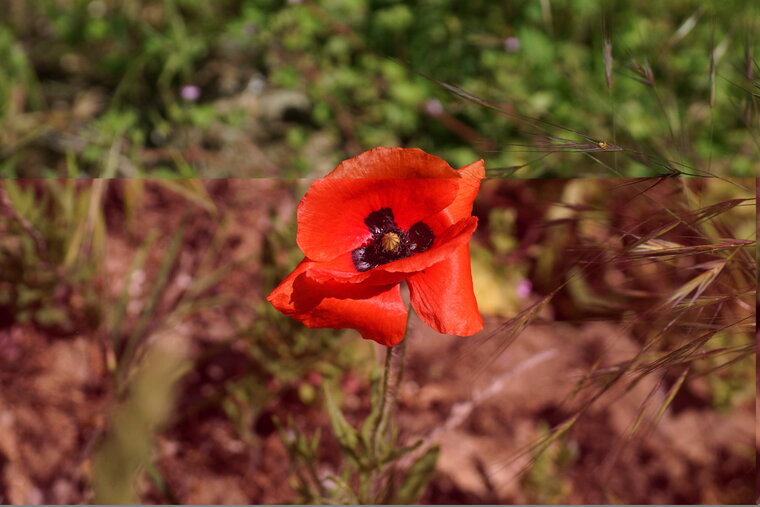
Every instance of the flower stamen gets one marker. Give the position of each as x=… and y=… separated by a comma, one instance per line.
x=390, y=241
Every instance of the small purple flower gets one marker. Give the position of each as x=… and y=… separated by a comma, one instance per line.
x=523, y=288
x=249, y=28
x=512, y=44
x=433, y=107
x=191, y=93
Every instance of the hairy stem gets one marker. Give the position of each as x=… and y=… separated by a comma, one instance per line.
x=384, y=399
x=398, y=362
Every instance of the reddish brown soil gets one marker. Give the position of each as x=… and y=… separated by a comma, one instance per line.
x=56, y=396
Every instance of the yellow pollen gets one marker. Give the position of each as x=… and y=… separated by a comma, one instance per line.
x=602, y=144
x=390, y=241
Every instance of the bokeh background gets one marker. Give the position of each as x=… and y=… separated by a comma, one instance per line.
x=140, y=362
x=290, y=88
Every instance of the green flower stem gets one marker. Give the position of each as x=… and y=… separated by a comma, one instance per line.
x=398, y=358
x=384, y=401
x=395, y=361
x=393, y=372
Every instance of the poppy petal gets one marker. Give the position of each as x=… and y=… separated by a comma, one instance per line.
x=363, y=199
x=281, y=296
x=332, y=213
x=461, y=207
x=393, y=162
x=443, y=297
x=377, y=312
x=469, y=184
x=443, y=246
x=299, y=292
x=342, y=267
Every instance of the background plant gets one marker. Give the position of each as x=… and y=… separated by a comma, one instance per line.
x=310, y=84
x=54, y=234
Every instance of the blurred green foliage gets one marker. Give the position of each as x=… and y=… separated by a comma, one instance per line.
x=87, y=75
x=284, y=354
x=51, y=244
x=127, y=448
x=283, y=348
x=729, y=387
x=374, y=468
x=546, y=481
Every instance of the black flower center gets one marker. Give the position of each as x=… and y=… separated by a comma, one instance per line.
x=389, y=241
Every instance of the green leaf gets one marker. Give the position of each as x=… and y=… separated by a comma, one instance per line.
x=374, y=415
x=154, y=298
x=50, y=316
x=417, y=478
x=346, y=435
x=394, y=453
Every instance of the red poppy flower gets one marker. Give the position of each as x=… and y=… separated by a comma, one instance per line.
x=385, y=216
